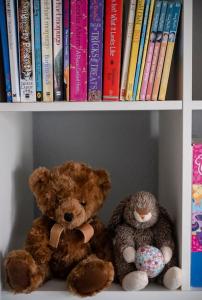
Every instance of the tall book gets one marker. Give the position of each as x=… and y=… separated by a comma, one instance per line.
x=156, y=50
x=112, y=52
x=127, y=47
x=95, y=48
x=162, y=53
x=2, y=80
x=38, y=49
x=13, y=48
x=196, y=245
x=135, y=48
x=58, y=50
x=5, y=51
x=78, y=50
x=26, y=48
x=151, y=10
x=47, y=50
x=66, y=33
x=141, y=48
x=169, y=51
x=150, y=50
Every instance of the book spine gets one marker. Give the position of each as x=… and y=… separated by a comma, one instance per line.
x=162, y=53
x=47, y=50
x=78, y=50
x=96, y=19
x=150, y=50
x=145, y=49
x=156, y=51
x=112, y=53
x=58, y=50
x=142, y=41
x=127, y=48
x=5, y=51
x=38, y=49
x=13, y=51
x=26, y=45
x=169, y=51
x=135, y=48
x=66, y=33
x=2, y=85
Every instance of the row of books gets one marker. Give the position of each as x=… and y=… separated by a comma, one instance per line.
x=53, y=49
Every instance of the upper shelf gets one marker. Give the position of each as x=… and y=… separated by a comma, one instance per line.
x=92, y=106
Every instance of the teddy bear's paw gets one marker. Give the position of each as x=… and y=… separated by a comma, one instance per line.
x=129, y=254
x=23, y=275
x=135, y=281
x=90, y=276
x=173, y=278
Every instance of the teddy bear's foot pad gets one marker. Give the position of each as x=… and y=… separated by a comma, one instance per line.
x=173, y=278
x=23, y=275
x=135, y=281
x=90, y=276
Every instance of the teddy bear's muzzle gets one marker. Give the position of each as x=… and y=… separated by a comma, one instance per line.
x=69, y=217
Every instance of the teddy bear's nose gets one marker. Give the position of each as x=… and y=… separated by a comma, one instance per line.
x=68, y=217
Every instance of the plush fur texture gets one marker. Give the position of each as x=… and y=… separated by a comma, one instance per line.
x=138, y=221
x=70, y=195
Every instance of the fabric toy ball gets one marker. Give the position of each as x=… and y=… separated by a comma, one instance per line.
x=149, y=259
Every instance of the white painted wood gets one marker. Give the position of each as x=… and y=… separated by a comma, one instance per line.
x=197, y=105
x=186, y=142
x=93, y=106
x=57, y=290
x=16, y=162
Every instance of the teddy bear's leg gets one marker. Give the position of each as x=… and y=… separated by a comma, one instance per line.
x=22, y=272
x=134, y=281
x=90, y=276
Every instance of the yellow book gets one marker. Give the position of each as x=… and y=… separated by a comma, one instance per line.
x=135, y=48
x=169, y=51
x=145, y=48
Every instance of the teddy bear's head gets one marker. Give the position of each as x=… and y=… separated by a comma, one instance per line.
x=140, y=210
x=70, y=194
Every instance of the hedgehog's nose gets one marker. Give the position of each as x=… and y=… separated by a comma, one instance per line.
x=68, y=217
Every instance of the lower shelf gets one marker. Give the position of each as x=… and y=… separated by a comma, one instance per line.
x=56, y=290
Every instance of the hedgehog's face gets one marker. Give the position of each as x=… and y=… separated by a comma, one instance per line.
x=142, y=210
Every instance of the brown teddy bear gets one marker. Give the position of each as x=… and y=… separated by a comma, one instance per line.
x=139, y=223
x=68, y=240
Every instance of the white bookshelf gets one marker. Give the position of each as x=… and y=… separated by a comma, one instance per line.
x=25, y=143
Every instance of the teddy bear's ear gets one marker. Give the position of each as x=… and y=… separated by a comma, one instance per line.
x=117, y=215
x=104, y=181
x=38, y=179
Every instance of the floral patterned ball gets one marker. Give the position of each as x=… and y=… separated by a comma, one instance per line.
x=150, y=260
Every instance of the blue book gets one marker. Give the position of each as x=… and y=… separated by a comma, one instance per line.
x=139, y=61
x=5, y=50
x=38, y=49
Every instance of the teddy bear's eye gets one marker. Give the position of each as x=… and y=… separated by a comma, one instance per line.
x=83, y=203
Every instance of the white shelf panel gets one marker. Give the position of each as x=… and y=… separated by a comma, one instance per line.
x=54, y=289
x=92, y=106
x=197, y=105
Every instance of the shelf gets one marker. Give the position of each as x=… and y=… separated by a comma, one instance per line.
x=54, y=289
x=197, y=105
x=92, y=106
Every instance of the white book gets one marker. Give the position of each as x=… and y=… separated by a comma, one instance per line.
x=127, y=46
x=47, y=50
x=26, y=51
x=13, y=50
x=58, y=50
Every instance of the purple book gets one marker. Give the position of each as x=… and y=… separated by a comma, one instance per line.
x=66, y=33
x=96, y=19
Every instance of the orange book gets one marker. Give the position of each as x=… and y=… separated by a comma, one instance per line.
x=112, y=49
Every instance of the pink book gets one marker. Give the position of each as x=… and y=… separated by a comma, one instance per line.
x=78, y=50
x=150, y=50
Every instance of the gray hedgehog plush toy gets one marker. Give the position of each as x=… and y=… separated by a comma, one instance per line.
x=139, y=223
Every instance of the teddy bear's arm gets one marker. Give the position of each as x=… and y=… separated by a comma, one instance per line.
x=124, y=237
x=37, y=242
